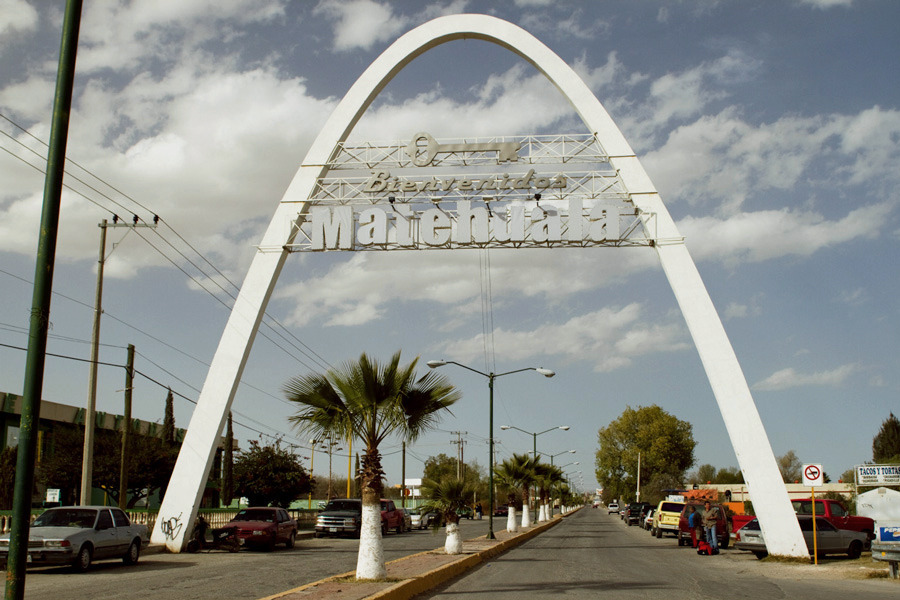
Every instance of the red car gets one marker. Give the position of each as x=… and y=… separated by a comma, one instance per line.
x=264, y=526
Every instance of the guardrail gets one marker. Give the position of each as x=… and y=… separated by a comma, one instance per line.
x=216, y=518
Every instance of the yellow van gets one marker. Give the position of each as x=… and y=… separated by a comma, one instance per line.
x=665, y=519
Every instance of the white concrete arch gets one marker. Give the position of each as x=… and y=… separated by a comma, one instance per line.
x=751, y=445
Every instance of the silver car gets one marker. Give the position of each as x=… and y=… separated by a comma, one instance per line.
x=78, y=535
x=829, y=539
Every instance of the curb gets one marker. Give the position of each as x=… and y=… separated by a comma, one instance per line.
x=418, y=584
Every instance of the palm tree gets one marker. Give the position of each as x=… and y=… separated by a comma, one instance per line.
x=506, y=476
x=519, y=471
x=547, y=477
x=446, y=497
x=370, y=401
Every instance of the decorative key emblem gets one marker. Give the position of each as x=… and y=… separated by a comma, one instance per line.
x=422, y=155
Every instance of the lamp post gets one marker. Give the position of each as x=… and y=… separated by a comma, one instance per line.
x=534, y=438
x=433, y=364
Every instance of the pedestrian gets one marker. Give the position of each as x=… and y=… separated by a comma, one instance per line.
x=478, y=511
x=710, y=516
x=693, y=524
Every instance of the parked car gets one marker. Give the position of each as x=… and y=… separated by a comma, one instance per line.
x=829, y=539
x=838, y=515
x=633, y=512
x=407, y=519
x=722, y=533
x=612, y=507
x=264, y=527
x=79, y=535
x=501, y=511
x=666, y=517
x=421, y=519
x=344, y=516
x=465, y=512
x=648, y=519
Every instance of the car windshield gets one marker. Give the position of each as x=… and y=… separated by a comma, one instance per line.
x=343, y=505
x=671, y=507
x=67, y=517
x=255, y=515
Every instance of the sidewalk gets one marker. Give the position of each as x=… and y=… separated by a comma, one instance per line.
x=416, y=573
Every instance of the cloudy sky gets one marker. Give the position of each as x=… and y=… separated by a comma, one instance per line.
x=771, y=130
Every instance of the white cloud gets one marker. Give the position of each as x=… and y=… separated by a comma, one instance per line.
x=362, y=23
x=790, y=378
x=764, y=235
x=826, y=4
x=608, y=339
x=18, y=16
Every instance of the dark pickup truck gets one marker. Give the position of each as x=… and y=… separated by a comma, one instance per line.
x=344, y=517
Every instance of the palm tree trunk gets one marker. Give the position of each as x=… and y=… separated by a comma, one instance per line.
x=511, y=523
x=370, y=560
x=526, y=511
x=453, y=544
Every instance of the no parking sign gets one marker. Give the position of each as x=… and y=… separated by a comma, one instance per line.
x=813, y=475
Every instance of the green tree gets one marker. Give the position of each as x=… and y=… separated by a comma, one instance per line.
x=704, y=474
x=729, y=475
x=270, y=475
x=886, y=443
x=7, y=477
x=446, y=497
x=442, y=466
x=370, y=401
x=228, y=466
x=790, y=466
x=665, y=444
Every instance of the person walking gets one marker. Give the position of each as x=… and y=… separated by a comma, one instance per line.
x=710, y=516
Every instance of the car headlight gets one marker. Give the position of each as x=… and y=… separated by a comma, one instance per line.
x=351, y=522
x=57, y=543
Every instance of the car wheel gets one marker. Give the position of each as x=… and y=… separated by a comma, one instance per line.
x=384, y=529
x=399, y=528
x=83, y=560
x=725, y=541
x=855, y=549
x=134, y=553
x=291, y=539
x=761, y=554
x=680, y=540
x=317, y=535
x=658, y=533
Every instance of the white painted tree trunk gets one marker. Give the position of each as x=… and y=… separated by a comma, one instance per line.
x=453, y=544
x=526, y=516
x=512, y=525
x=370, y=561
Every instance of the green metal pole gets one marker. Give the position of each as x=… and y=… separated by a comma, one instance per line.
x=490, y=534
x=126, y=430
x=40, y=306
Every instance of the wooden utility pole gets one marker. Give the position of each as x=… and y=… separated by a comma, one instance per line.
x=126, y=430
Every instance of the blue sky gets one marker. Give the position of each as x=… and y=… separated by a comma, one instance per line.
x=771, y=130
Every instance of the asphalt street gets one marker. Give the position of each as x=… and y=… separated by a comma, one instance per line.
x=592, y=554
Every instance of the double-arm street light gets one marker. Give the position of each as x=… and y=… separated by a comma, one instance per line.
x=491, y=377
x=534, y=437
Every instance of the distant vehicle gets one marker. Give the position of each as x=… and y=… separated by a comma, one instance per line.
x=666, y=517
x=633, y=512
x=421, y=519
x=612, y=507
x=465, y=512
x=648, y=519
x=79, y=535
x=501, y=511
x=264, y=527
x=829, y=539
x=407, y=519
x=684, y=533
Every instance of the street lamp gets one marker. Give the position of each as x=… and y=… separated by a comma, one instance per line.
x=434, y=364
x=534, y=437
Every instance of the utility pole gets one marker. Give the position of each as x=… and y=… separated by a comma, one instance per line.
x=459, y=451
x=87, y=463
x=403, y=478
x=126, y=429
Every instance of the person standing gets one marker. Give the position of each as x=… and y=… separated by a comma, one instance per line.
x=710, y=516
x=693, y=524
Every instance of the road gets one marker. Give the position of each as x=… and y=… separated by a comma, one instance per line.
x=245, y=575
x=592, y=555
